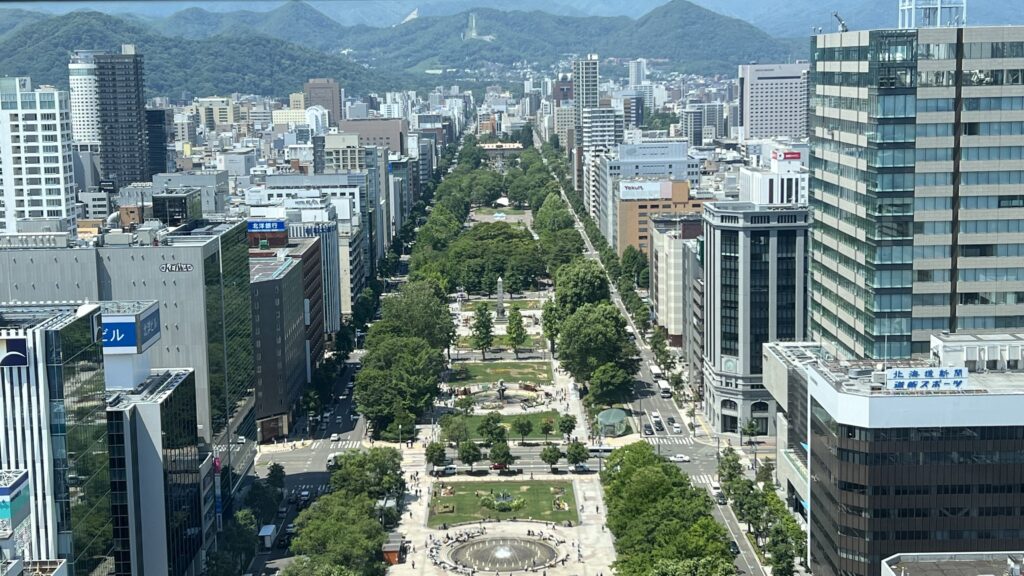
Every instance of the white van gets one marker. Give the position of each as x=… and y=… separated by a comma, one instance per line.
x=716, y=488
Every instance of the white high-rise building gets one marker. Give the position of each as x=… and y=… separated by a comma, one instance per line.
x=36, y=178
x=637, y=72
x=85, y=96
x=773, y=100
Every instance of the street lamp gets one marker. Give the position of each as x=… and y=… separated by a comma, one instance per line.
x=399, y=435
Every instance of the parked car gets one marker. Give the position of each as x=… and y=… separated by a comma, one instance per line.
x=679, y=458
x=499, y=466
x=648, y=430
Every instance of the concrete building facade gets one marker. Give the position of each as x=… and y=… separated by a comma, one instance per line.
x=773, y=100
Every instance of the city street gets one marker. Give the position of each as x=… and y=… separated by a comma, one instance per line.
x=702, y=449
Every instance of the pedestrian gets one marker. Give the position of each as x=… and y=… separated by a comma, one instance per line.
x=413, y=564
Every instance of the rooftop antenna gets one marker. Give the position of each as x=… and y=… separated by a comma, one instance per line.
x=842, y=23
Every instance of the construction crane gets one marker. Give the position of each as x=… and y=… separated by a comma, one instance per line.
x=842, y=23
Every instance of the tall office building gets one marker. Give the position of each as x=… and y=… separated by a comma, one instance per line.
x=713, y=115
x=122, y=115
x=637, y=72
x=53, y=425
x=160, y=140
x=200, y=275
x=755, y=277
x=328, y=93
x=691, y=125
x=917, y=205
x=923, y=456
x=585, y=78
x=85, y=96
x=36, y=172
x=773, y=100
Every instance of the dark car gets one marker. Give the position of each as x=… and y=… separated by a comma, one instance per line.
x=734, y=548
x=648, y=430
x=499, y=466
x=659, y=426
x=671, y=420
x=284, y=541
x=721, y=499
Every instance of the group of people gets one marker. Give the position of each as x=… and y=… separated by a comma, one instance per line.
x=434, y=546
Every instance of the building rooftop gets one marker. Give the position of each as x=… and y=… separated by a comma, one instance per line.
x=40, y=315
x=738, y=206
x=126, y=306
x=868, y=377
x=264, y=269
x=160, y=383
x=12, y=478
x=953, y=564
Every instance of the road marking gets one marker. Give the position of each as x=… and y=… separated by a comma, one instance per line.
x=346, y=445
x=666, y=440
x=702, y=479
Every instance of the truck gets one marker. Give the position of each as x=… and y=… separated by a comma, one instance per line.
x=664, y=388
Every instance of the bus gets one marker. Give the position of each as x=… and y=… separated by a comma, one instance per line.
x=656, y=372
x=665, y=389
x=599, y=451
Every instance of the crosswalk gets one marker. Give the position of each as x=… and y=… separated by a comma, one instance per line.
x=676, y=440
x=314, y=489
x=702, y=479
x=337, y=445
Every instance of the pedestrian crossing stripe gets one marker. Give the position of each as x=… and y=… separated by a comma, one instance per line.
x=313, y=488
x=343, y=444
x=674, y=440
x=702, y=479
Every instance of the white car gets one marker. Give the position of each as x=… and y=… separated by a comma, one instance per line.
x=679, y=458
x=335, y=437
x=677, y=429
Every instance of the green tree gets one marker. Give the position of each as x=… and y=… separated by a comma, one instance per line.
x=490, y=428
x=455, y=428
x=465, y=405
x=547, y=426
x=710, y=566
x=578, y=283
x=551, y=318
x=483, y=329
x=469, y=453
x=364, y=307
x=501, y=454
x=522, y=426
x=263, y=500
x=663, y=357
x=729, y=467
x=576, y=453
x=376, y=472
x=609, y=384
x=550, y=455
x=751, y=430
x=516, y=331
x=765, y=473
x=436, y=454
x=342, y=529
x=566, y=424
x=593, y=335
x=275, y=475
x=420, y=309
x=552, y=216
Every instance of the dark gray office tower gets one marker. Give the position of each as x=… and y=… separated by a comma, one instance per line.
x=122, y=114
x=160, y=140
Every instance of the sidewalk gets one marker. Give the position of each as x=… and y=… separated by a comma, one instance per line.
x=572, y=404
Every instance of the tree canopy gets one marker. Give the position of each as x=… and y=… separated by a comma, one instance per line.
x=594, y=335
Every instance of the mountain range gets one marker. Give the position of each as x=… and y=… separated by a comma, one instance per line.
x=203, y=52
x=782, y=18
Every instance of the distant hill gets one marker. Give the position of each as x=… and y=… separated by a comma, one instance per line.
x=222, y=64
x=13, y=18
x=697, y=39
x=294, y=22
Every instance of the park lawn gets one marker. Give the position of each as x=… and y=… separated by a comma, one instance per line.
x=501, y=341
x=506, y=420
x=528, y=304
x=490, y=372
x=489, y=211
x=539, y=496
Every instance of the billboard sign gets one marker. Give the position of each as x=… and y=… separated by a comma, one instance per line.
x=267, y=226
x=13, y=352
x=926, y=379
x=14, y=504
x=637, y=190
x=131, y=334
x=787, y=155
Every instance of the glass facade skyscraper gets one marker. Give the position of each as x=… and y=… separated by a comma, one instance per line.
x=916, y=187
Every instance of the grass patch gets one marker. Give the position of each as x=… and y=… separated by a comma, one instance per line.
x=523, y=305
x=468, y=373
x=501, y=341
x=506, y=420
x=463, y=504
x=489, y=211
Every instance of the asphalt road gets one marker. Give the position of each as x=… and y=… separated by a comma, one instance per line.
x=703, y=451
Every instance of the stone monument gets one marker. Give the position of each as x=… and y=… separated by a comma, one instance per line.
x=499, y=308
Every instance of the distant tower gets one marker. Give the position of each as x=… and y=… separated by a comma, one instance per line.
x=471, y=33
x=932, y=13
